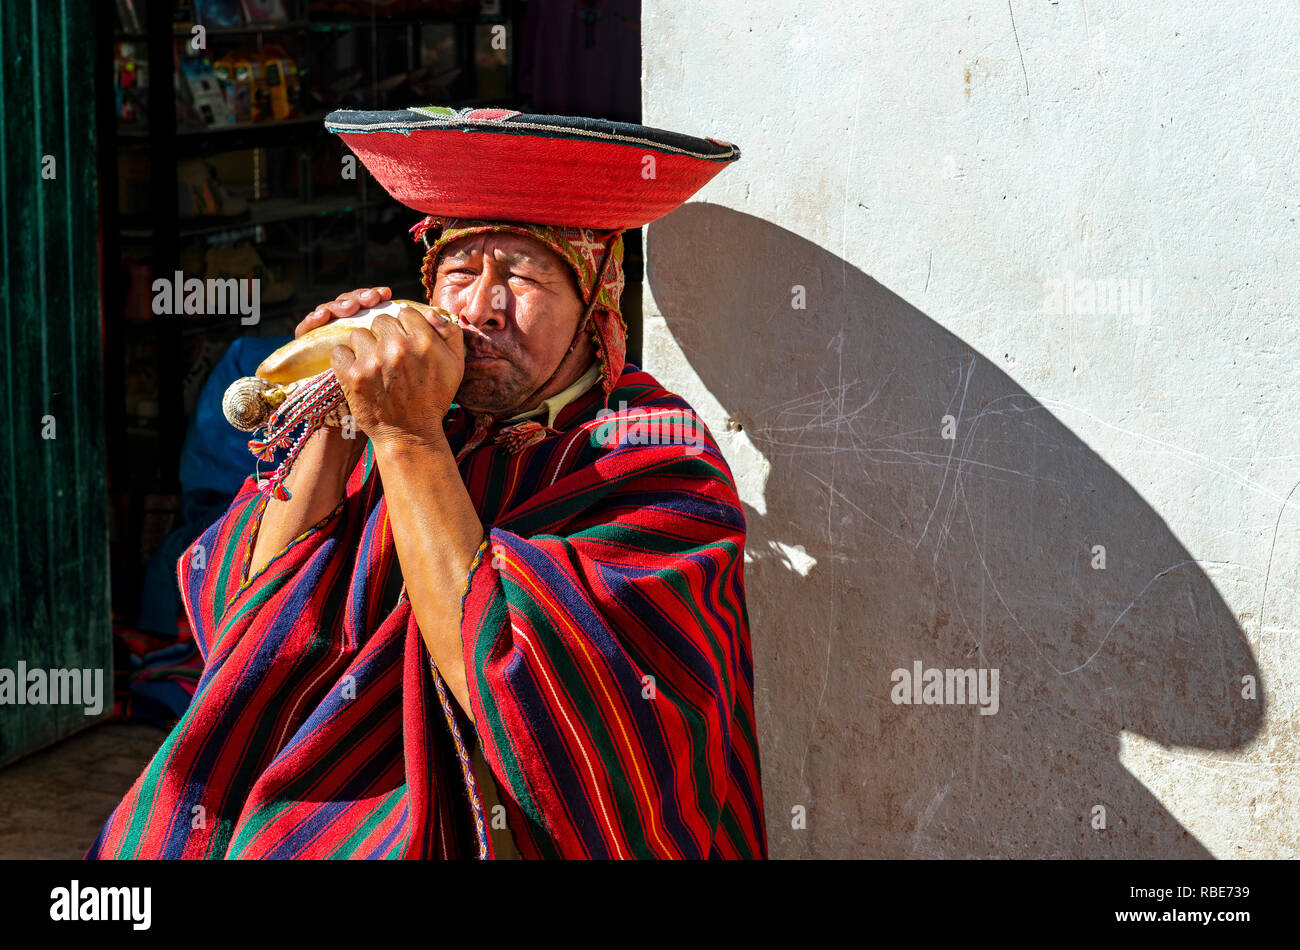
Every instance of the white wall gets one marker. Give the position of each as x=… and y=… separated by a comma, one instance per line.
x=929, y=174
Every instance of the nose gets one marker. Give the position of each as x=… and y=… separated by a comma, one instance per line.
x=490, y=288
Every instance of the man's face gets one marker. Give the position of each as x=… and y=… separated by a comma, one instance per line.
x=521, y=298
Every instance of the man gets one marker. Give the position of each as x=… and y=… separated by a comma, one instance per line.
x=503, y=623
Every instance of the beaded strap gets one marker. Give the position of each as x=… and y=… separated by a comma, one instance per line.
x=317, y=403
x=306, y=409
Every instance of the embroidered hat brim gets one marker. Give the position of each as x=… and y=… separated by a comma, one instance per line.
x=500, y=165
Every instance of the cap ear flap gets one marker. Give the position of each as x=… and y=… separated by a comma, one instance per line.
x=428, y=272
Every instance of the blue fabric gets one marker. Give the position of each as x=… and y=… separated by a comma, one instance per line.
x=163, y=683
x=215, y=456
x=214, y=463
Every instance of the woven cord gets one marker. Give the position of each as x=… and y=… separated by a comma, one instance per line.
x=466, y=769
x=462, y=750
x=304, y=411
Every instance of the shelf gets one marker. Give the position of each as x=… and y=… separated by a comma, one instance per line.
x=242, y=135
x=138, y=330
x=181, y=32
x=324, y=23
x=324, y=20
x=266, y=211
x=237, y=135
x=289, y=26
x=296, y=307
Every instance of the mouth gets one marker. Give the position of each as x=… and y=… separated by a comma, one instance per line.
x=482, y=359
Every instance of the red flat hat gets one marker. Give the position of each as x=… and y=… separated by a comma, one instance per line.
x=499, y=165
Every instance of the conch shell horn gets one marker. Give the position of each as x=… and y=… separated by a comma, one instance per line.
x=250, y=400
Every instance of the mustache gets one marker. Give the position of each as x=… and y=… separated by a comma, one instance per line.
x=476, y=348
x=481, y=345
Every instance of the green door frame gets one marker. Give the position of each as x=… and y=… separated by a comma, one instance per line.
x=54, y=568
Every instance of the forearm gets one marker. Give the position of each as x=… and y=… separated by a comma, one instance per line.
x=436, y=532
x=316, y=483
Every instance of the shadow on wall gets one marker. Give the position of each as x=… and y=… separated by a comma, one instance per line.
x=974, y=551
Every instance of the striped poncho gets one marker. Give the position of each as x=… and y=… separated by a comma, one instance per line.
x=605, y=638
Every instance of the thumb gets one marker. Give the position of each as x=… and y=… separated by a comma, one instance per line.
x=341, y=360
x=449, y=329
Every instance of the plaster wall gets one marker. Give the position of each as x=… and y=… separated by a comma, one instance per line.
x=1047, y=256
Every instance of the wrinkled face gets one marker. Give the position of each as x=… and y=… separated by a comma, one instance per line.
x=521, y=301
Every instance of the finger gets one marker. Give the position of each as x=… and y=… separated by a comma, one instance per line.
x=445, y=324
x=382, y=292
x=370, y=296
x=416, y=324
x=346, y=307
x=341, y=359
x=361, y=373
x=453, y=335
x=353, y=294
x=385, y=327
x=440, y=317
x=317, y=318
x=309, y=322
x=322, y=315
x=350, y=301
x=346, y=304
x=362, y=342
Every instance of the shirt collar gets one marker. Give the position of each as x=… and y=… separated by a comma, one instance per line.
x=552, y=406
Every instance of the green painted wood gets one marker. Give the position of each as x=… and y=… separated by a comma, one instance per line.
x=54, y=592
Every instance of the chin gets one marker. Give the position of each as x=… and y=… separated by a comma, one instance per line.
x=484, y=395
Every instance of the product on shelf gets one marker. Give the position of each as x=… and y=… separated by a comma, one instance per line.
x=207, y=96
x=237, y=85
x=243, y=76
x=218, y=14
x=281, y=71
x=130, y=82
x=261, y=92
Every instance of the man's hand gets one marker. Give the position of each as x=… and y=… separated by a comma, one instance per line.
x=319, y=477
x=401, y=376
x=344, y=305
